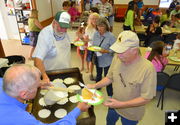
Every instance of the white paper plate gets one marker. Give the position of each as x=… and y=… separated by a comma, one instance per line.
x=44, y=113
x=60, y=113
x=78, y=43
x=94, y=48
x=95, y=101
x=176, y=59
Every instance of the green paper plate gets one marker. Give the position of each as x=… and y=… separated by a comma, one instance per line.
x=97, y=101
x=94, y=48
x=174, y=58
x=78, y=43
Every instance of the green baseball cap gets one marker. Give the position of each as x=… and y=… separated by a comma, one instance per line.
x=63, y=18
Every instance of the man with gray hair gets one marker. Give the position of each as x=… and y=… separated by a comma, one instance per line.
x=133, y=80
x=20, y=83
x=53, y=49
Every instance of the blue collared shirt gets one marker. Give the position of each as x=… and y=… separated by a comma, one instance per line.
x=12, y=112
x=106, y=58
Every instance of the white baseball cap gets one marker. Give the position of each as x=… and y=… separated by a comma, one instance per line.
x=125, y=40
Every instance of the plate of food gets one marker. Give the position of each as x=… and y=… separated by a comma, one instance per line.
x=174, y=58
x=94, y=48
x=91, y=96
x=78, y=43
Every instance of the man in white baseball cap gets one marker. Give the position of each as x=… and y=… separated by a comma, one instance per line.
x=53, y=46
x=133, y=80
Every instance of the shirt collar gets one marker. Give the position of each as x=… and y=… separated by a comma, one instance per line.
x=13, y=101
x=104, y=35
x=58, y=38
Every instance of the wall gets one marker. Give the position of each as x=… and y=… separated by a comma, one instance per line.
x=9, y=29
x=45, y=9
x=146, y=2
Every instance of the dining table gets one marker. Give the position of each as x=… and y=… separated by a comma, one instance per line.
x=165, y=31
x=172, y=53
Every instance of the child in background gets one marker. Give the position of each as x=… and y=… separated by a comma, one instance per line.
x=158, y=55
x=82, y=50
x=176, y=45
x=73, y=11
x=34, y=29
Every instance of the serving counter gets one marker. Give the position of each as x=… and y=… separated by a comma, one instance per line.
x=86, y=118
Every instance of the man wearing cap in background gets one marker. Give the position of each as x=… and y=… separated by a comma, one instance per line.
x=53, y=46
x=133, y=79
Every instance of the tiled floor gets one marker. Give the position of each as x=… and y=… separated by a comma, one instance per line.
x=153, y=115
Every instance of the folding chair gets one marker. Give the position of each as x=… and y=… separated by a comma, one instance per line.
x=162, y=79
x=173, y=83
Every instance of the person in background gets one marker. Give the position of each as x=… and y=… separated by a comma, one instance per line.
x=129, y=17
x=89, y=33
x=111, y=17
x=82, y=50
x=73, y=11
x=133, y=79
x=173, y=4
x=158, y=55
x=20, y=84
x=153, y=32
x=148, y=16
x=34, y=28
x=53, y=50
x=165, y=18
x=140, y=5
x=94, y=10
x=176, y=22
x=105, y=9
x=174, y=12
x=87, y=5
x=157, y=12
x=176, y=45
x=66, y=5
x=95, y=3
x=103, y=58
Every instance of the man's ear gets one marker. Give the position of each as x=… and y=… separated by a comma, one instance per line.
x=23, y=95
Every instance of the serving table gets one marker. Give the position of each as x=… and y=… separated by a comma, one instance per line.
x=86, y=118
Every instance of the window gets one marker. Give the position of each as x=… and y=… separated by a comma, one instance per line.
x=165, y=3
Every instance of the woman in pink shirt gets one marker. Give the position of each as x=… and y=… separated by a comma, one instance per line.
x=158, y=56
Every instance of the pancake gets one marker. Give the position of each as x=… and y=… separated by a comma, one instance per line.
x=60, y=113
x=69, y=80
x=44, y=113
x=73, y=99
x=62, y=101
x=74, y=87
x=86, y=94
x=41, y=102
